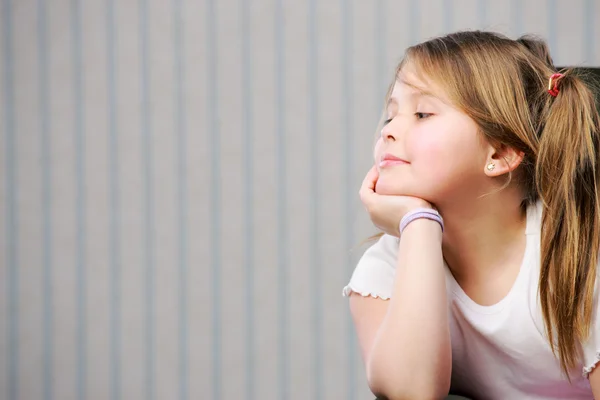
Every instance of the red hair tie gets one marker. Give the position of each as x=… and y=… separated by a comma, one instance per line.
x=553, y=84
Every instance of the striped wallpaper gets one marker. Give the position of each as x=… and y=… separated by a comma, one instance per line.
x=178, y=186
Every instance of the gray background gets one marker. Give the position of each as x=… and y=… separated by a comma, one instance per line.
x=178, y=186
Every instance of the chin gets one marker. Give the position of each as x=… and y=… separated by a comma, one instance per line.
x=394, y=188
x=385, y=187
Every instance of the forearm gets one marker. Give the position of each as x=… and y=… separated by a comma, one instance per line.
x=411, y=355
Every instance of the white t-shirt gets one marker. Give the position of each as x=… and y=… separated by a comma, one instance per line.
x=498, y=351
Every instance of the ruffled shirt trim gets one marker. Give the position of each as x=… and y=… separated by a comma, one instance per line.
x=349, y=289
x=587, y=370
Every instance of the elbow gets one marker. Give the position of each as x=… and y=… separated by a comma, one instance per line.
x=408, y=393
x=391, y=384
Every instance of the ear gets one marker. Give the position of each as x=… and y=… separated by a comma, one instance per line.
x=504, y=159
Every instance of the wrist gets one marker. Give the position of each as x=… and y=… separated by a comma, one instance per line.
x=419, y=203
x=422, y=234
x=419, y=215
x=423, y=225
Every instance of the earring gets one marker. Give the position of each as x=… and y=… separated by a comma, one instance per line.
x=491, y=166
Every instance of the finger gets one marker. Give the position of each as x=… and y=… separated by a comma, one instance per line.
x=367, y=188
x=371, y=179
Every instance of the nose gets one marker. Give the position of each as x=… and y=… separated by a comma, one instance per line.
x=388, y=134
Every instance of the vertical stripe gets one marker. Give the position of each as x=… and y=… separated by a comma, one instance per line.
x=482, y=13
x=247, y=173
x=448, y=9
x=414, y=23
x=588, y=32
x=380, y=54
x=47, y=324
x=348, y=177
x=181, y=179
x=81, y=281
x=517, y=16
x=282, y=245
x=114, y=234
x=215, y=204
x=148, y=202
x=552, y=21
x=12, y=233
x=314, y=231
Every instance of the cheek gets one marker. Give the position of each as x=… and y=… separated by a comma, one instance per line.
x=427, y=155
x=441, y=162
x=429, y=150
x=444, y=143
x=445, y=156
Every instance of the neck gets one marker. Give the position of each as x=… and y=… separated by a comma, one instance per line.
x=483, y=237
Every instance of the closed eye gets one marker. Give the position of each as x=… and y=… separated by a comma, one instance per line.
x=387, y=121
x=421, y=115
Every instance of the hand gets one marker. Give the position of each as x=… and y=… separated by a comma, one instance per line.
x=386, y=211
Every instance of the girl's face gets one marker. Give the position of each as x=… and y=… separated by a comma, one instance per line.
x=441, y=154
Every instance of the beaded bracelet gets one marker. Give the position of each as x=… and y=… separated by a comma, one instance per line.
x=427, y=213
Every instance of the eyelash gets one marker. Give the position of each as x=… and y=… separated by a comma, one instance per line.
x=387, y=121
x=422, y=113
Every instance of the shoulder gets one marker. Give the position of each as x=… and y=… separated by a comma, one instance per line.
x=385, y=250
x=591, y=347
x=374, y=273
x=534, y=218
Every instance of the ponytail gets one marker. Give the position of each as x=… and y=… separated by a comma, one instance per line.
x=568, y=179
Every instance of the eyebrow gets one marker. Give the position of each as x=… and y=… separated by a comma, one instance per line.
x=392, y=100
x=421, y=92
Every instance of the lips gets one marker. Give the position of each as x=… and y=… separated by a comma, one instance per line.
x=390, y=160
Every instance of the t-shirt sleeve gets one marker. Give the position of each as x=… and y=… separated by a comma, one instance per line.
x=591, y=347
x=375, y=271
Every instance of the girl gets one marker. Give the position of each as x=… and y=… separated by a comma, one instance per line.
x=497, y=300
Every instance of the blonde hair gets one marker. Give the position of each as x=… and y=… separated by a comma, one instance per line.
x=502, y=85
